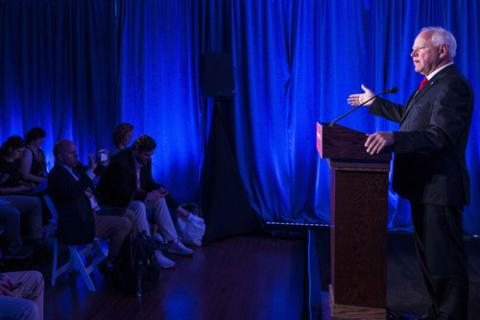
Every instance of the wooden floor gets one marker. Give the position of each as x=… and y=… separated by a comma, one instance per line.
x=253, y=277
x=406, y=293
x=250, y=277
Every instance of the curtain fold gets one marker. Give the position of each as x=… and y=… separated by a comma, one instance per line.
x=64, y=64
x=297, y=61
x=159, y=88
x=56, y=71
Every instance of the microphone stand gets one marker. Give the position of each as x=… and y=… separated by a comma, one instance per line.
x=392, y=90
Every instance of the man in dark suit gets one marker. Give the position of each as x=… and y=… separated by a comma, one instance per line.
x=80, y=218
x=429, y=167
x=128, y=182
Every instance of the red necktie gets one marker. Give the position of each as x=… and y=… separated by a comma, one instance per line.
x=423, y=83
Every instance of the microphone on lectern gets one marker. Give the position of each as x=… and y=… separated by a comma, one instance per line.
x=391, y=90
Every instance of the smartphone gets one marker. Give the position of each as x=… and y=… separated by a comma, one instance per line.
x=102, y=156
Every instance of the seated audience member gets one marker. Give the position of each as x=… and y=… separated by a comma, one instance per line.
x=10, y=184
x=122, y=135
x=21, y=295
x=10, y=177
x=80, y=219
x=33, y=165
x=128, y=182
x=10, y=220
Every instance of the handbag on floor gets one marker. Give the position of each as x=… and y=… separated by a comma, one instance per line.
x=192, y=229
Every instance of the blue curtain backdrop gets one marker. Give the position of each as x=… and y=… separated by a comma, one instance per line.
x=295, y=63
x=159, y=88
x=57, y=71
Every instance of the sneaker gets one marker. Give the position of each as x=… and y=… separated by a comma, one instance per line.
x=158, y=238
x=196, y=219
x=193, y=243
x=177, y=247
x=18, y=252
x=163, y=261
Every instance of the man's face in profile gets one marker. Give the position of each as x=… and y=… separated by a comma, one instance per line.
x=425, y=56
x=69, y=155
x=144, y=157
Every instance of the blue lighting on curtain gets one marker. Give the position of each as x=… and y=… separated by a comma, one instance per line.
x=57, y=71
x=76, y=69
x=159, y=88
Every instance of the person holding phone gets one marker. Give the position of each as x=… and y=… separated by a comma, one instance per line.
x=128, y=182
x=16, y=193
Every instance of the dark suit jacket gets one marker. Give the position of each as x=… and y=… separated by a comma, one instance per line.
x=429, y=164
x=76, y=224
x=118, y=184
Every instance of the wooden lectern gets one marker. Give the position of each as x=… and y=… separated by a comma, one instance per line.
x=358, y=211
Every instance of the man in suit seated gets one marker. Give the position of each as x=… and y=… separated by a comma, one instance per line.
x=128, y=182
x=80, y=218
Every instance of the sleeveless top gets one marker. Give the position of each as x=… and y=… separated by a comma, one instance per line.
x=39, y=166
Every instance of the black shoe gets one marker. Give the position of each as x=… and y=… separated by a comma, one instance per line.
x=107, y=266
x=18, y=253
x=425, y=316
x=429, y=314
x=392, y=315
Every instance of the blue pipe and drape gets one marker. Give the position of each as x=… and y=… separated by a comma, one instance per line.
x=77, y=68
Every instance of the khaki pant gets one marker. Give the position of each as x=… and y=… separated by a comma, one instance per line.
x=113, y=227
x=157, y=212
x=28, y=302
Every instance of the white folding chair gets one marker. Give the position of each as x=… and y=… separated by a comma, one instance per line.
x=1, y=231
x=77, y=254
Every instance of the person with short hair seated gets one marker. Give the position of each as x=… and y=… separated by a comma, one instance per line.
x=10, y=176
x=122, y=136
x=21, y=295
x=12, y=189
x=128, y=182
x=80, y=218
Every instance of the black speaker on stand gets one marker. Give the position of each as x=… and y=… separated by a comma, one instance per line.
x=223, y=197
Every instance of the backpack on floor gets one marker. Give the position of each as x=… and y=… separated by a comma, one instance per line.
x=135, y=269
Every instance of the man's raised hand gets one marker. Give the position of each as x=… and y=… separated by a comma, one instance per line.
x=359, y=98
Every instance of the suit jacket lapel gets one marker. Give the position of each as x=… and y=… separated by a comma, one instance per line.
x=417, y=95
x=408, y=107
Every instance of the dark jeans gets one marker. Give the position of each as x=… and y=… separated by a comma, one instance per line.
x=442, y=258
x=23, y=207
x=10, y=220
